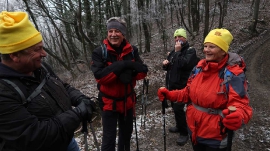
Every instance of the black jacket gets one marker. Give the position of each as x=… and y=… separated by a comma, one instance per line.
x=46, y=123
x=180, y=66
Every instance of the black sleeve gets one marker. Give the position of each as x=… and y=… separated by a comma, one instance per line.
x=188, y=60
x=74, y=94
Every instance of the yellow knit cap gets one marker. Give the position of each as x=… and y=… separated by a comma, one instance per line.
x=17, y=32
x=180, y=32
x=220, y=37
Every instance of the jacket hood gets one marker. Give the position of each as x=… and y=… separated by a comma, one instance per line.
x=236, y=63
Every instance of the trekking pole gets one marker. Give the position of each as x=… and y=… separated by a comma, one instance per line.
x=85, y=132
x=137, y=142
x=164, y=130
x=94, y=135
x=230, y=132
x=142, y=117
x=145, y=101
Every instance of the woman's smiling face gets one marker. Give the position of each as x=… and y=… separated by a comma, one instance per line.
x=213, y=53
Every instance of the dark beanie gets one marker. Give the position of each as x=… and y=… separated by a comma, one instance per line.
x=116, y=25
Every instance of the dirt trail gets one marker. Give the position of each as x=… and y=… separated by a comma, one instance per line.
x=257, y=132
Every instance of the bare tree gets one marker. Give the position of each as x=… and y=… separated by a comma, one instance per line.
x=195, y=15
x=253, y=26
x=141, y=4
x=206, y=20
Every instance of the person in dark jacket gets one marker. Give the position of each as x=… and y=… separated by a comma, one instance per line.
x=178, y=65
x=117, y=66
x=47, y=121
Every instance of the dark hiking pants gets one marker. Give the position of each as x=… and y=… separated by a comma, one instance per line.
x=109, y=122
x=180, y=117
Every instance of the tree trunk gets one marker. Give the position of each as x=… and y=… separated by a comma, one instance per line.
x=144, y=25
x=255, y=17
x=206, y=20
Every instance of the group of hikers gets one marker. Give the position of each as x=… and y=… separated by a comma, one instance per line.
x=40, y=112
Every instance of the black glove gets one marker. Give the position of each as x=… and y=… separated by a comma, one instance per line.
x=119, y=66
x=85, y=109
x=139, y=67
x=126, y=76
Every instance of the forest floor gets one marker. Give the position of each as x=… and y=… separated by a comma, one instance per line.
x=255, y=136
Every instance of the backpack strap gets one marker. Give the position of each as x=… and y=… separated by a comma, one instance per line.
x=36, y=92
x=104, y=52
x=24, y=101
x=197, y=70
x=227, y=76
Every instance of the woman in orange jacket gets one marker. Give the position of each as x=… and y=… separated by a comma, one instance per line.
x=209, y=94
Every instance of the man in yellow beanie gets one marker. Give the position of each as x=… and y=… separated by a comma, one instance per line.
x=178, y=65
x=36, y=111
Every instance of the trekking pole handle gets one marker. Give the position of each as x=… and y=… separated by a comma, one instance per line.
x=230, y=132
x=163, y=106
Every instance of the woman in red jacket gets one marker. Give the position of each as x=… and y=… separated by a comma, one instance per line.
x=209, y=95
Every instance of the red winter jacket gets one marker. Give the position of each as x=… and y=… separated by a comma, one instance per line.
x=205, y=90
x=107, y=70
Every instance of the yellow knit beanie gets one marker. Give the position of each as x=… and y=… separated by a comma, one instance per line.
x=220, y=37
x=180, y=32
x=17, y=32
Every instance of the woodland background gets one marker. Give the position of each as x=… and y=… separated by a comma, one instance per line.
x=73, y=28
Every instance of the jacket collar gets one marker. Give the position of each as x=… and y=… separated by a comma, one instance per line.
x=125, y=46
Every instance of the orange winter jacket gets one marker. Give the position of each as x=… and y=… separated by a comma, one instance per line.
x=205, y=90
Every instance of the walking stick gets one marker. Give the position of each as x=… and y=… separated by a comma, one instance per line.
x=146, y=99
x=94, y=135
x=85, y=132
x=137, y=142
x=164, y=130
x=142, y=103
x=230, y=132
